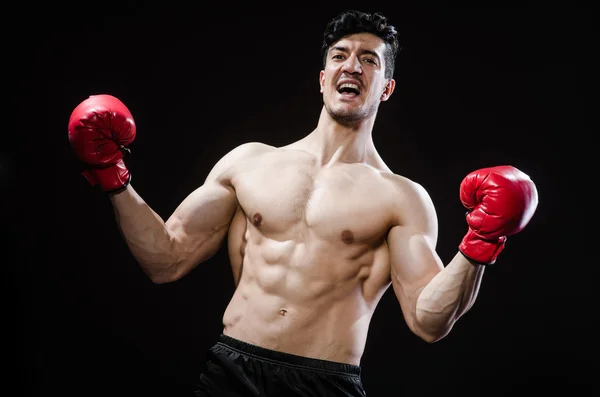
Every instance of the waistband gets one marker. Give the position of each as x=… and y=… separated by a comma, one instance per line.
x=288, y=359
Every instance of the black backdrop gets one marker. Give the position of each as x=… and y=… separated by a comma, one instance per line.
x=475, y=87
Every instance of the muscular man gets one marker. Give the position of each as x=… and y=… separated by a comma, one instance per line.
x=317, y=230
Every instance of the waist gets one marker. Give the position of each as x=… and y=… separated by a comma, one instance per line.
x=288, y=359
x=329, y=329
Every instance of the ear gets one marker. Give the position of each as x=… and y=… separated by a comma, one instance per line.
x=321, y=80
x=388, y=90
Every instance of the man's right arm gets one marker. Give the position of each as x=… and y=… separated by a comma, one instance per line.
x=100, y=129
x=166, y=251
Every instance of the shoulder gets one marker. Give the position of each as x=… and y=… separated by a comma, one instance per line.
x=249, y=149
x=236, y=157
x=406, y=187
x=246, y=151
x=413, y=205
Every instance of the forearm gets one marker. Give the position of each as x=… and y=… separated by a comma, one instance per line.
x=144, y=231
x=449, y=295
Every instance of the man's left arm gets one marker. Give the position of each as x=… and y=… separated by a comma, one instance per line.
x=500, y=202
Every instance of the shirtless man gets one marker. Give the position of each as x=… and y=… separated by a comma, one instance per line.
x=316, y=230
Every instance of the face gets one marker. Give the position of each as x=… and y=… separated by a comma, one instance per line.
x=353, y=82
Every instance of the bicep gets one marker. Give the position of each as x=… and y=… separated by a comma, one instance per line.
x=412, y=242
x=209, y=208
x=200, y=223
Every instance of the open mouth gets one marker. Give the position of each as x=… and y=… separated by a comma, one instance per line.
x=348, y=89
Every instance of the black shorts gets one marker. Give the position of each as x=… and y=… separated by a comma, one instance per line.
x=236, y=368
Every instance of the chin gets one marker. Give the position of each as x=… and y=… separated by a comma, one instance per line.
x=347, y=119
x=347, y=114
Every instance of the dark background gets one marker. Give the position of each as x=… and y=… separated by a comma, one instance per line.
x=475, y=87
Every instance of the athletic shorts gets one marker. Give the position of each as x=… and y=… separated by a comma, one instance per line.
x=235, y=368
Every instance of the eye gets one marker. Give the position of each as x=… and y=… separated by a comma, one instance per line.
x=370, y=60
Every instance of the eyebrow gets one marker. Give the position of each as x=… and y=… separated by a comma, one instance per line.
x=362, y=52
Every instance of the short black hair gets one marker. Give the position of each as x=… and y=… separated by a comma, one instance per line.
x=351, y=22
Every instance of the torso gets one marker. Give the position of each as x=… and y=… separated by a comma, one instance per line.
x=309, y=254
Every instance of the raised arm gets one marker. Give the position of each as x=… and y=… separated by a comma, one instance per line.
x=432, y=297
x=167, y=251
x=100, y=129
x=500, y=200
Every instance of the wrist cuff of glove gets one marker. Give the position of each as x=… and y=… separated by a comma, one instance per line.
x=479, y=250
x=112, y=179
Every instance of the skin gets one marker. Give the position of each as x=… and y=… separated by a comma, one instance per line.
x=317, y=230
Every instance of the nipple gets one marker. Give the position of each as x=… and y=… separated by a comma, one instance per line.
x=257, y=219
x=347, y=237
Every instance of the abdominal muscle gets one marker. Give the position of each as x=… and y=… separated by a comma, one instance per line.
x=293, y=297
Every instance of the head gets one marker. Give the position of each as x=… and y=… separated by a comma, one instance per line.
x=351, y=22
x=358, y=59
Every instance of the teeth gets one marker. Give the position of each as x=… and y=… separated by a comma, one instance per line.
x=348, y=85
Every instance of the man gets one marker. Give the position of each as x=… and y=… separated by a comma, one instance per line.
x=317, y=230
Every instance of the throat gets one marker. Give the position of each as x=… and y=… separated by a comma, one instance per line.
x=334, y=144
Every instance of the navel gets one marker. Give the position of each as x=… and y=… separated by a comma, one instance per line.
x=257, y=219
x=347, y=237
x=282, y=312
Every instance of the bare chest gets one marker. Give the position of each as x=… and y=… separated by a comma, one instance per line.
x=348, y=203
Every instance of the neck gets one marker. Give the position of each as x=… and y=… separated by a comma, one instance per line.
x=334, y=143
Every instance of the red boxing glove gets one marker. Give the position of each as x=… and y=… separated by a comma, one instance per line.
x=501, y=202
x=100, y=128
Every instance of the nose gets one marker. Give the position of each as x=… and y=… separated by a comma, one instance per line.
x=352, y=65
